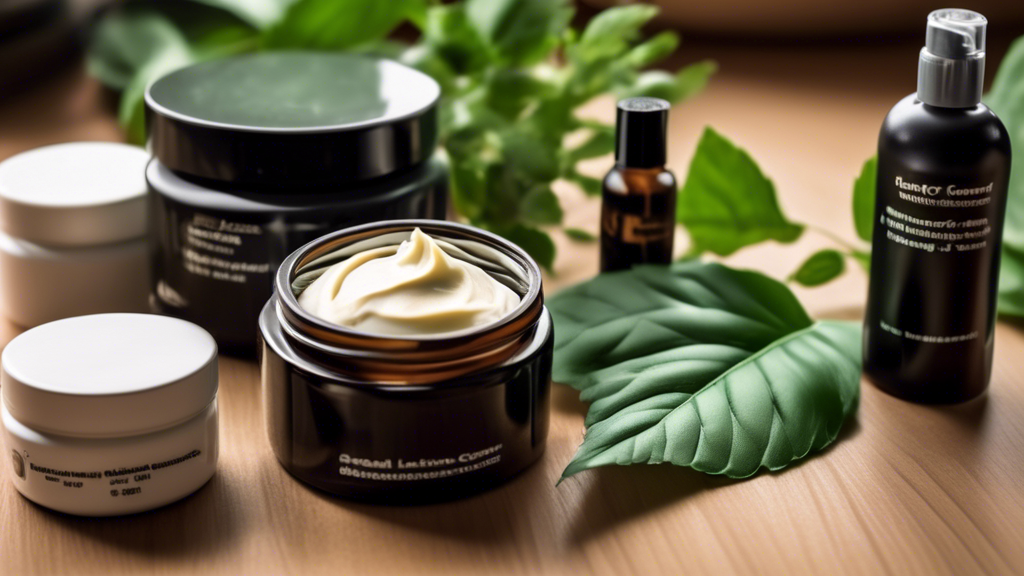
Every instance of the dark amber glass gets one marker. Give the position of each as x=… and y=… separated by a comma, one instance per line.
x=637, y=217
x=410, y=419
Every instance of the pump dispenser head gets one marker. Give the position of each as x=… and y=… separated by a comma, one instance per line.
x=951, y=68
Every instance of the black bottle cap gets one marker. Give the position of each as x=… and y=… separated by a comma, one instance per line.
x=640, y=126
x=287, y=118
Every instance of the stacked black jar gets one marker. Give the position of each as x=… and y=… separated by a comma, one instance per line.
x=256, y=155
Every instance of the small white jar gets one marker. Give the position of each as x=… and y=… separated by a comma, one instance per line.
x=73, y=232
x=110, y=414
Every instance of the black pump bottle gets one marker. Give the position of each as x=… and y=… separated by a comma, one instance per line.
x=943, y=169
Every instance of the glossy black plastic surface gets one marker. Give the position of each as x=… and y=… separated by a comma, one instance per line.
x=641, y=127
x=930, y=320
x=278, y=119
x=215, y=253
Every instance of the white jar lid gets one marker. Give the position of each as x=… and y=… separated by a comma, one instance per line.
x=77, y=194
x=109, y=375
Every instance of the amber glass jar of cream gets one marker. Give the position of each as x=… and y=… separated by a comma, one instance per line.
x=110, y=414
x=407, y=418
x=256, y=155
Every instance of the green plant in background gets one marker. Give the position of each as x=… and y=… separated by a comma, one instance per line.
x=727, y=203
x=513, y=75
x=703, y=366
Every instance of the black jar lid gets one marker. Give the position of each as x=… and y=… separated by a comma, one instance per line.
x=284, y=118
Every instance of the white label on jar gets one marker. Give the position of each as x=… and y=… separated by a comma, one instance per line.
x=121, y=481
x=418, y=469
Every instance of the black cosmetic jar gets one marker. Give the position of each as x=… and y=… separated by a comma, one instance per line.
x=405, y=420
x=256, y=155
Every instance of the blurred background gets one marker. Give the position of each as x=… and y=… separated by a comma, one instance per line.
x=37, y=36
x=802, y=85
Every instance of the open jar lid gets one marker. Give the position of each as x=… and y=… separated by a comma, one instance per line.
x=277, y=119
x=76, y=194
x=109, y=375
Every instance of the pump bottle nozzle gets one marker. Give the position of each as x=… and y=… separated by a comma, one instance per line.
x=952, y=63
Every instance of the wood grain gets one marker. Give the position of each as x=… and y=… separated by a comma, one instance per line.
x=907, y=490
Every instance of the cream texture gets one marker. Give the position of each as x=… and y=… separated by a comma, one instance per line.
x=416, y=289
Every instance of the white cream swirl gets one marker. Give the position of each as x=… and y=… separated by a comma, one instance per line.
x=418, y=289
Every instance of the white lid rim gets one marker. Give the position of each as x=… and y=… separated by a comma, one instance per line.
x=26, y=248
x=138, y=393
x=52, y=208
x=75, y=193
x=110, y=435
x=41, y=388
x=83, y=226
x=109, y=428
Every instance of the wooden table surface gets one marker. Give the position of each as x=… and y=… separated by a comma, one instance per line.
x=907, y=489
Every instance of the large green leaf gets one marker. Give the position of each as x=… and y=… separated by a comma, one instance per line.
x=529, y=154
x=340, y=24
x=1011, y=282
x=580, y=235
x=700, y=365
x=131, y=48
x=727, y=203
x=541, y=206
x=600, y=142
x=137, y=43
x=657, y=48
x=864, y=199
x=611, y=31
x=449, y=32
x=536, y=242
x=651, y=310
x=822, y=267
x=683, y=85
x=256, y=13
x=131, y=111
x=1007, y=100
x=129, y=39
x=510, y=91
x=520, y=31
x=134, y=35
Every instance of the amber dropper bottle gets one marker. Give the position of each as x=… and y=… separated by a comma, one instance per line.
x=639, y=195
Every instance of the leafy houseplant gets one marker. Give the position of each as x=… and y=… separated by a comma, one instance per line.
x=512, y=72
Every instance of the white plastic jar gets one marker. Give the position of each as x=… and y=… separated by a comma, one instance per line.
x=73, y=232
x=110, y=414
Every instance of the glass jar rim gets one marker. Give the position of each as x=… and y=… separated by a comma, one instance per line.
x=447, y=353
